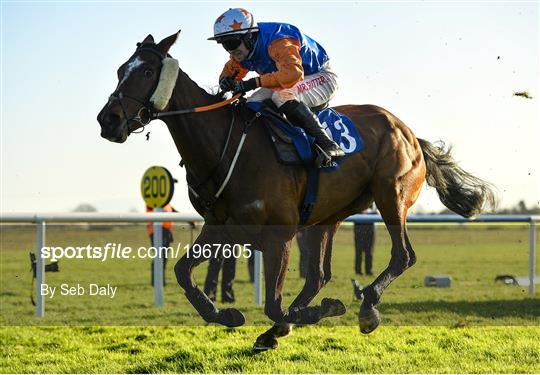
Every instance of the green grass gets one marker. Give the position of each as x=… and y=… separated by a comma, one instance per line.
x=307, y=350
x=474, y=326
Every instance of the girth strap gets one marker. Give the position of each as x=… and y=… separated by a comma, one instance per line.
x=310, y=196
x=311, y=193
x=208, y=204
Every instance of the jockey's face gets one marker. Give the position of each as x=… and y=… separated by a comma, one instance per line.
x=240, y=53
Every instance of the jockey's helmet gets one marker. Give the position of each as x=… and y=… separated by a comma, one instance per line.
x=235, y=22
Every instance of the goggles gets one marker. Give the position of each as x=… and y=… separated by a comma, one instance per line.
x=231, y=44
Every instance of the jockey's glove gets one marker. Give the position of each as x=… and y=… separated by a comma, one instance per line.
x=230, y=84
x=227, y=84
x=245, y=86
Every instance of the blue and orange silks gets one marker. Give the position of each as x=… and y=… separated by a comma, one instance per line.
x=282, y=55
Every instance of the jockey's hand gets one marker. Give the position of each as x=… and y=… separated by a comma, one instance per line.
x=244, y=86
x=227, y=84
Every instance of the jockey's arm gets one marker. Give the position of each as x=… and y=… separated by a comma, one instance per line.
x=231, y=67
x=286, y=54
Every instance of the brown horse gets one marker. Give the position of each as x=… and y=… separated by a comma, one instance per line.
x=260, y=202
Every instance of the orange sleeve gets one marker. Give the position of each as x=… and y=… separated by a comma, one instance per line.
x=286, y=54
x=232, y=67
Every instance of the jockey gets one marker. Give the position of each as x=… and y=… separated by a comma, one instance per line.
x=294, y=71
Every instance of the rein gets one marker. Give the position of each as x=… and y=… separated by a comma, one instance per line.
x=144, y=115
x=196, y=109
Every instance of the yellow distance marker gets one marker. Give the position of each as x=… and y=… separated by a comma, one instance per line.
x=157, y=186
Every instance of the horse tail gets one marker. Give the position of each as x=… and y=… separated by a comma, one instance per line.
x=458, y=190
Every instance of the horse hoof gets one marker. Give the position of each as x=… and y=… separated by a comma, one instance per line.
x=332, y=307
x=231, y=318
x=282, y=329
x=265, y=342
x=368, y=319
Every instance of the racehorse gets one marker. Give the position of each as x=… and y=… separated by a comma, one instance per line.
x=245, y=194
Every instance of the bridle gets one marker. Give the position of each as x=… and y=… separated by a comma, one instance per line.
x=143, y=115
x=146, y=113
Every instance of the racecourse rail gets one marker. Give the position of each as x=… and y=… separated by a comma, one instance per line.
x=40, y=219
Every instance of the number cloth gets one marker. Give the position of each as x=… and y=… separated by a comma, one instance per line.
x=338, y=126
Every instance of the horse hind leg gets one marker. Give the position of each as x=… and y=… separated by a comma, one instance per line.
x=319, y=241
x=276, y=257
x=412, y=254
x=319, y=274
x=393, y=198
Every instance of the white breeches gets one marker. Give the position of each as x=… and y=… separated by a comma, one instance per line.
x=314, y=90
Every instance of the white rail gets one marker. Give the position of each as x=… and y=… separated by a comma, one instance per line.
x=95, y=217
x=158, y=217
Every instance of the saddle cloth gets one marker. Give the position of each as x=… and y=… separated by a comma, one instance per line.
x=294, y=147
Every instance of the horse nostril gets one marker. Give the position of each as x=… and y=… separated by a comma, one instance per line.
x=111, y=119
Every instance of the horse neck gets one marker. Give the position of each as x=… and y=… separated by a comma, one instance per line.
x=199, y=137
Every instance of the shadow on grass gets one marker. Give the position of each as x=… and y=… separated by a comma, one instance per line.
x=185, y=361
x=182, y=361
x=528, y=309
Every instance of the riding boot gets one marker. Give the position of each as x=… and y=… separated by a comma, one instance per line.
x=299, y=114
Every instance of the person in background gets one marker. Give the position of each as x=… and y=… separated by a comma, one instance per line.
x=251, y=267
x=364, y=241
x=228, y=265
x=166, y=240
x=301, y=239
x=229, y=271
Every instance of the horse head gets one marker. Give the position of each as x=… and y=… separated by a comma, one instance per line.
x=145, y=85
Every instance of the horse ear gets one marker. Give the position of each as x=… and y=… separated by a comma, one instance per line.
x=166, y=43
x=148, y=39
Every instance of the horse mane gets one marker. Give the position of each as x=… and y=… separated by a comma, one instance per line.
x=211, y=97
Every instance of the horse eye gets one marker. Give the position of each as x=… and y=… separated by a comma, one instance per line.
x=148, y=73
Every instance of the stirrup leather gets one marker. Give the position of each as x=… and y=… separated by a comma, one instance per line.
x=323, y=160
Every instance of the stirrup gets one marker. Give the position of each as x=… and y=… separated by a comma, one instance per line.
x=323, y=160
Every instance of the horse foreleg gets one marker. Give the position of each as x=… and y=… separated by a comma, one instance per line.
x=183, y=269
x=276, y=250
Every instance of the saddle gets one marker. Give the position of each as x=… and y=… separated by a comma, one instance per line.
x=293, y=147
x=280, y=131
x=284, y=147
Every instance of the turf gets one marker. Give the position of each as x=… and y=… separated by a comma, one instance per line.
x=307, y=350
x=474, y=326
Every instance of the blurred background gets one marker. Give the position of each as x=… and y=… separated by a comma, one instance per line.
x=448, y=70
